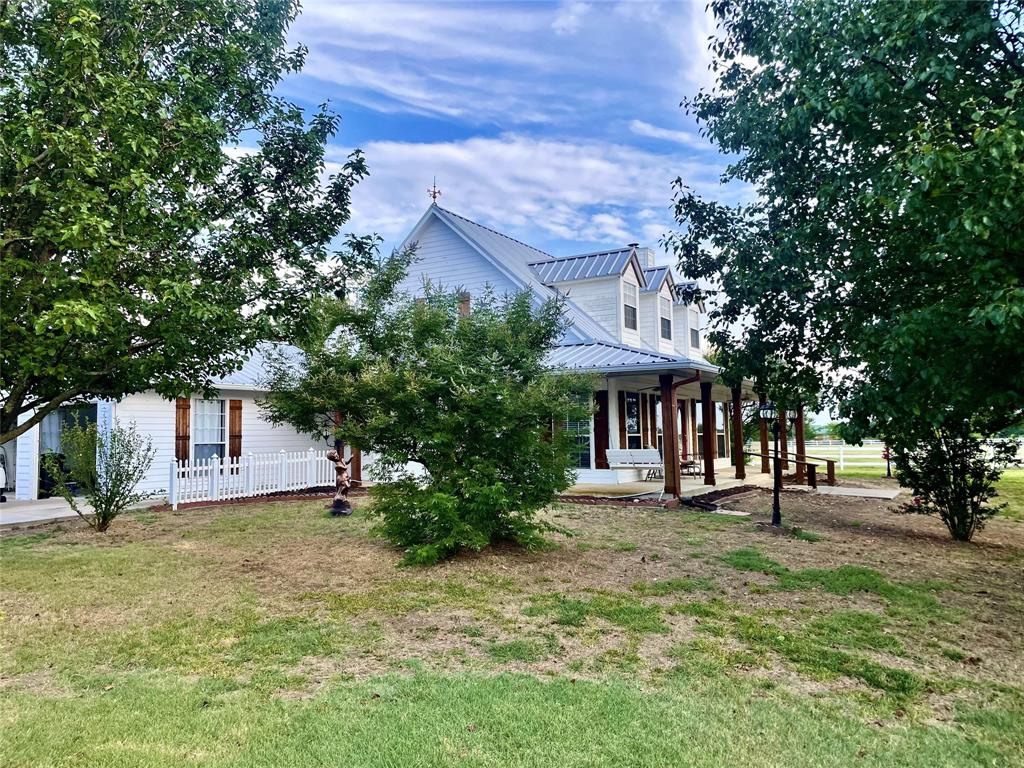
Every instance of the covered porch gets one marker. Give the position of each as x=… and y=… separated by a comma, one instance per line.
x=695, y=442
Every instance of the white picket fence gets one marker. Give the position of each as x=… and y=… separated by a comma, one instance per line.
x=219, y=479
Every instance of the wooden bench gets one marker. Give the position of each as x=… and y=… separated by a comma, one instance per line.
x=637, y=458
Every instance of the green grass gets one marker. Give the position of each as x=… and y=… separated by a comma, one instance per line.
x=273, y=635
x=620, y=609
x=472, y=721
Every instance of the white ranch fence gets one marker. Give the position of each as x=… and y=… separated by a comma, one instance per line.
x=260, y=474
x=870, y=454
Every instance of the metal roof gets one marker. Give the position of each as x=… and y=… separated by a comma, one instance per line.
x=253, y=372
x=655, y=277
x=604, y=357
x=586, y=266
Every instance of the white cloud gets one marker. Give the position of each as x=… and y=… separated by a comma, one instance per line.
x=539, y=190
x=570, y=17
x=640, y=128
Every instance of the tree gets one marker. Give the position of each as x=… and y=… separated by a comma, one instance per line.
x=106, y=465
x=467, y=398
x=882, y=256
x=161, y=211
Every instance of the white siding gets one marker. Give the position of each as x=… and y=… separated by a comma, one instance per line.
x=27, y=467
x=649, y=320
x=449, y=261
x=155, y=416
x=599, y=299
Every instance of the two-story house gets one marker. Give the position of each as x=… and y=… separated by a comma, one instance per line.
x=627, y=324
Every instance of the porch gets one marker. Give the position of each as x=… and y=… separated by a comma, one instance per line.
x=697, y=439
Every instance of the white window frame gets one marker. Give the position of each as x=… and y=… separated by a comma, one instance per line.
x=197, y=405
x=639, y=434
x=630, y=298
x=665, y=310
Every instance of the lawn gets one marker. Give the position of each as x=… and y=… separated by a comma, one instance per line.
x=272, y=634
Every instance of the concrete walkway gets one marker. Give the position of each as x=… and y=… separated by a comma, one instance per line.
x=16, y=514
x=33, y=512
x=864, y=493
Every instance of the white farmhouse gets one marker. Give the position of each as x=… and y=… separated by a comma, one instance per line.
x=627, y=324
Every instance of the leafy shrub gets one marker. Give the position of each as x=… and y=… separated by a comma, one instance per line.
x=467, y=398
x=953, y=474
x=106, y=466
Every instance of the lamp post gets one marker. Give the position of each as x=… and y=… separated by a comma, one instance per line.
x=770, y=414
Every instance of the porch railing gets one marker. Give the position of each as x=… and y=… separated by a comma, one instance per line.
x=217, y=479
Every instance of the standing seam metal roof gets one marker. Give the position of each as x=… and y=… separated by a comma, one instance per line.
x=583, y=267
x=604, y=356
x=655, y=277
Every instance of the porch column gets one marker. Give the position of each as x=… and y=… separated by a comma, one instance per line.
x=783, y=440
x=708, y=419
x=762, y=429
x=801, y=449
x=601, y=417
x=684, y=429
x=694, y=444
x=670, y=452
x=737, y=433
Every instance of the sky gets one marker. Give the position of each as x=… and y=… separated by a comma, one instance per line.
x=556, y=123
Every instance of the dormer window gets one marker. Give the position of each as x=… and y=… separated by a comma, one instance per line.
x=695, y=338
x=629, y=304
x=666, y=318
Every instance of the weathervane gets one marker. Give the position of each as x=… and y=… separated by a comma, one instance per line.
x=434, y=192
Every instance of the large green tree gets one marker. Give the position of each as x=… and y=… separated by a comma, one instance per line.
x=468, y=398
x=882, y=253
x=161, y=211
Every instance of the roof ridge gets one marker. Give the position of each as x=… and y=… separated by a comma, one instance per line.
x=490, y=229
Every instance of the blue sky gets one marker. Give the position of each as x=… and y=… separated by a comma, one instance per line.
x=557, y=123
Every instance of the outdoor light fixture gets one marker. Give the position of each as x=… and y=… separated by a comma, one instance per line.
x=769, y=414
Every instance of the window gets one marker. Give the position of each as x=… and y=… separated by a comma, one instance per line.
x=629, y=293
x=666, y=318
x=208, y=430
x=694, y=338
x=634, y=439
x=580, y=430
x=463, y=304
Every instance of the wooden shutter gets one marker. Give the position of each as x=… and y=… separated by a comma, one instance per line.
x=622, y=419
x=463, y=305
x=234, y=429
x=355, y=469
x=182, y=421
x=601, y=429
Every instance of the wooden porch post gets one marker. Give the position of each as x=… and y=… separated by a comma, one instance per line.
x=684, y=429
x=763, y=434
x=801, y=449
x=708, y=420
x=694, y=443
x=670, y=453
x=737, y=433
x=601, y=429
x=783, y=440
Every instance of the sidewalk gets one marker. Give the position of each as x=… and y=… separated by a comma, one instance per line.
x=33, y=512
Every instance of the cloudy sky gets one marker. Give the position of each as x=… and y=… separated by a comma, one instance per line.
x=557, y=123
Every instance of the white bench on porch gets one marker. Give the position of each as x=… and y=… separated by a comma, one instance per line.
x=636, y=458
